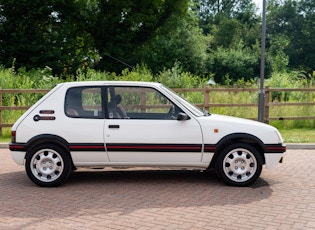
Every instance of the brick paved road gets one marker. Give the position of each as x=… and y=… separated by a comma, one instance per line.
x=282, y=199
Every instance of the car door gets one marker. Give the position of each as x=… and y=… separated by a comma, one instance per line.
x=142, y=128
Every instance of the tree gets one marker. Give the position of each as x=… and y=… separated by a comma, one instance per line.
x=294, y=20
x=183, y=44
x=235, y=30
x=119, y=28
x=235, y=63
x=211, y=12
x=41, y=33
x=68, y=34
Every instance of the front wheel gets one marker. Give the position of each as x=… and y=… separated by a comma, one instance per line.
x=48, y=165
x=239, y=165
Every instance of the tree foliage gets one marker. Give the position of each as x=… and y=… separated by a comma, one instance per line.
x=65, y=34
x=211, y=12
x=121, y=27
x=234, y=28
x=184, y=45
x=293, y=20
x=218, y=38
x=41, y=33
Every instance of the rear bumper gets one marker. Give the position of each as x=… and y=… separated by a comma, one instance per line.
x=18, y=157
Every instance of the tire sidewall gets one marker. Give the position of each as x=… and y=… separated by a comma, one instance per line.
x=220, y=164
x=67, y=166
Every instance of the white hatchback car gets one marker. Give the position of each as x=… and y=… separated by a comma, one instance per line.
x=136, y=124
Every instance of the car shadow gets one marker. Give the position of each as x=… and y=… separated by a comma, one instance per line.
x=123, y=192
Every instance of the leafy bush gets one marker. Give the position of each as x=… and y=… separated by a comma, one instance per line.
x=235, y=63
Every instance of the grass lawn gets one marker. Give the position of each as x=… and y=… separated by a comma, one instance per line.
x=5, y=139
x=298, y=135
x=289, y=136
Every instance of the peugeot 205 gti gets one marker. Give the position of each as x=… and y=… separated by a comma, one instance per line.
x=136, y=124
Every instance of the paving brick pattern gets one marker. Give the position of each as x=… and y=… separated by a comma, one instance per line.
x=281, y=199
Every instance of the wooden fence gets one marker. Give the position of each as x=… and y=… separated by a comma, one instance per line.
x=268, y=100
x=206, y=100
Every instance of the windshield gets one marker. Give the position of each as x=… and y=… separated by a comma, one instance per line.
x=192, y=108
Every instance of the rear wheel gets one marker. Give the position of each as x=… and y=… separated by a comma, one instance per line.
x=239, y=165
x=48, y=165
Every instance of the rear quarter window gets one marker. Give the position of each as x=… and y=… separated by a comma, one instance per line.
x=84, y=102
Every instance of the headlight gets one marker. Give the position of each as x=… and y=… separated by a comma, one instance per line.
x=279, y=137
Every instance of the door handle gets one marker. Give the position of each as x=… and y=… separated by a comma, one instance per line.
x=113, y=126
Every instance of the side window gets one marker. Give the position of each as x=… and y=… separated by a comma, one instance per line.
x=139, y=103
x=84, y=102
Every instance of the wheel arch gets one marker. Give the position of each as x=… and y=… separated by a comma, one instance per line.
x=48, y=139
x=244, y=138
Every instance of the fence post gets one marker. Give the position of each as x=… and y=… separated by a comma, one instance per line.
x=206, y=98
x=267, y=100
x=0, y=111
x=143, y=101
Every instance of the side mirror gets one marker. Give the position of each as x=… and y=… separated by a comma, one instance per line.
x=182, y=116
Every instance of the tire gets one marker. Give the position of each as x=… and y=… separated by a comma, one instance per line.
x=48, y=165
x=239, y=165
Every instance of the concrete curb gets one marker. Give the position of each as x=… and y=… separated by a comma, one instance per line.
x=301, y=146
x=4, y=145
x=289, y=146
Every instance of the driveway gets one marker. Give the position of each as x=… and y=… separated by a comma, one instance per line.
x=281, y=199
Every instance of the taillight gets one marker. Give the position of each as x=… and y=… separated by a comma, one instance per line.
x=13, y=136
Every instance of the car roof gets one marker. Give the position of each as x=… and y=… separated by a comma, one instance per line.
x=109, y=83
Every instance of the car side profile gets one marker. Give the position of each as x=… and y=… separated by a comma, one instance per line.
x=136, y=124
